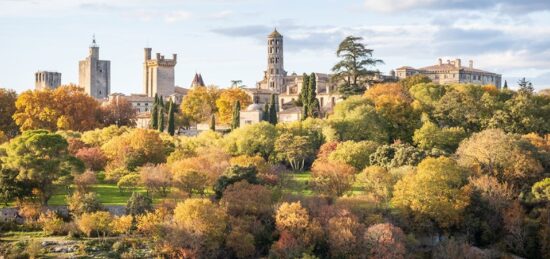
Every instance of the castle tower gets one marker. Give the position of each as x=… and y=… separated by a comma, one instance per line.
x=158, y=74
x=46, y=80
x=95, y=74
x=275, y=66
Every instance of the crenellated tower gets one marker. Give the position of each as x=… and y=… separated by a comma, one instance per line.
x=158, y=74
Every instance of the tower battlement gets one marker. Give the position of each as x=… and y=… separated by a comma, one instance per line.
x=158, y=74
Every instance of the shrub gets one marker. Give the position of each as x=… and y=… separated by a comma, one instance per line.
x=332, y=178
x=353, y=153
x=122, y=224
x=156, y=178
x=80, y=203
x=51, y=223
x=235, y=174
x=114, y=175
x=139, y=204
x=95, y=223
x=84, y=181
x=128, y=182
x=93, y=158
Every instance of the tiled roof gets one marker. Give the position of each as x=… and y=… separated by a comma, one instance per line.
x=275, y=34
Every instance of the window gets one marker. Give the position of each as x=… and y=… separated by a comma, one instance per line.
x=322, y=101
x=146, y=104
x=247, y=122
x=138, y=104
x=333, y=101
x=282, y=100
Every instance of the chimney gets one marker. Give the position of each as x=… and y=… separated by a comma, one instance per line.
x=458, y=63
x=440, y=61
x=471, y=64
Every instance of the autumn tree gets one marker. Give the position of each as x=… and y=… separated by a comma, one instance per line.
x=227, y=100
x=66, y=108
x=98, y=223
x=200, y=103
x=396, y=155
x=299, y=232
x=294, y=150
x=93, y=158
x=411, y=81
x=333, y=179
x=345, y=236
x=378, y=182
x=7, y=109
x=430, y=136
x=354, y=68
x=119, y=112
x=41, y=159
x=434, y=191
x=252, y=139
x=81, y=202
x=353, y=153
x=98, y=137
x=139, y=204
x=135, y=148
x=385, y=241
x=243, y=198
x=84, y=181
x=156, y=178
x=235, y=174
x=202, y=219
x=504, y=156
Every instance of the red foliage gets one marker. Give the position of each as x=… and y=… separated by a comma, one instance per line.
x=93, y=158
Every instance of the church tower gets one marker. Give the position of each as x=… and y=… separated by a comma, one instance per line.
x=275, y=69
x=95, y=74
x=158, y=74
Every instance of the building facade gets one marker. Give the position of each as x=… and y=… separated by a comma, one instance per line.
x=452, y=72
x=158, y=74
x=95, y=74
x=46, y=80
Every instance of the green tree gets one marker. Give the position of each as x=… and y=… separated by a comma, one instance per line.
x=396, y=155
x=434, y=192
x=265, y=113
x=505, y=85
x=7, y=109
x=161, y=119
x=41, y=159
x=525, y=86
x=294, y=150
x=235, y=174
x=430, y=136
x=273, y=110
x=414, y=80
x=213, y=122
x=171, y=122
x=353, y=69
x=236, y=120
x=155, y=116
x=353, y=153
x=139, y=204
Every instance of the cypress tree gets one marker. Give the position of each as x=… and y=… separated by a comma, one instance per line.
x=302, y=99
x=265, y=113
x=171, y=123
x=236, y=115
x=156, y=99
x=311, y=96
x=505, y=85
x=161, y=119
x=161, y=102
x=273, y=111
x=154, y=117
x=213, y=122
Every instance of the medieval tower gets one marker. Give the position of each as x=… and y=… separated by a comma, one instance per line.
x=158, y=74
x=95, y=74
x=275, y=69
x=46, y=80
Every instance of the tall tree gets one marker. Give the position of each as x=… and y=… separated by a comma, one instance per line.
x=119, y=112
x=213, y=122
x=161, y=119
x=265, y=113
x=525, y=86
x=155, y=116
x=236, y=115
x=7, y=109
x=227, y=100
x=304, y=91
x=273, y=110
x=312, y=102
x=353, y=69
x=171, y=122
x=505, y=85
x=200, y=103
x=41, y=159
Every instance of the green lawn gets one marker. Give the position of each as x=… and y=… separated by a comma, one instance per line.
x=108, y=194
x=299, y=183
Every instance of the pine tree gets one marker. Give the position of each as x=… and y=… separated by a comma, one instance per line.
x=213, y=122
x=265, y=113
x=505, y=85
x=154, y=117
x=273, y=110
x=236, y=115
x=161, y=119
x=171, y=122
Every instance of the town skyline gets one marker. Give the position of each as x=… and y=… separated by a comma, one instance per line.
x=210, y=39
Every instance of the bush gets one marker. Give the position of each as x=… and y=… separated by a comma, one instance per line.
x=80, y=203
x=52, y=224
x=95, y=223
x=353, y=153
x=156, y=178
x=128, y=182
x=84, y=181
x=333, y=179
x=93, y=158
x=114, y=175
x=138, y=204
x=235, y=174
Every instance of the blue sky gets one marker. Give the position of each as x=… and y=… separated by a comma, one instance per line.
x=225, y=39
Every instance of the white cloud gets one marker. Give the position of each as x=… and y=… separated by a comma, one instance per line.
x=177, y=16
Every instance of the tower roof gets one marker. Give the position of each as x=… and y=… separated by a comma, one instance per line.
x=197, y=80
x=94, y=44
x=275, y=34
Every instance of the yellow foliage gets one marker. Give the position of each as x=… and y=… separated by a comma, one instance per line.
x=200, y=103
x=227, y=100
x=122, y=224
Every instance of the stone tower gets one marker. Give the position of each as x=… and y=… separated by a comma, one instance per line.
x=275, y=66
x=95, y=74
x=158, y=74
x=46, y=80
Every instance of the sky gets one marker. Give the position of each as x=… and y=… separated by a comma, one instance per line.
x=225, y=40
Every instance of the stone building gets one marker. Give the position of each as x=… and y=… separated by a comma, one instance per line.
x=251, y=115
x=286, y=87
x=452, y=72
x=95, y=74
x=46, y=80
x=158, y=74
